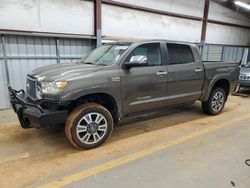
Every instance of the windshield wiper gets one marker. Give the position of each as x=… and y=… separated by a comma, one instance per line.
x=102, y=64
x=89, y=63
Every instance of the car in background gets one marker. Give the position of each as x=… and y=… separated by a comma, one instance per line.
x=244, y=78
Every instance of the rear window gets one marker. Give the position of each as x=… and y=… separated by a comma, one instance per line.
x=180, y=54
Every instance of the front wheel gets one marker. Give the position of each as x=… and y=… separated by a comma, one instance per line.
x=88, y=126
x=216, y=102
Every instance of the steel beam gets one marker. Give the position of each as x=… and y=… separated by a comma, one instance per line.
x=41, y=57
x=98, y=21
x=5, y=59
x=57, y=50
x=205, y=20
x=45, y=34
x=228, y=24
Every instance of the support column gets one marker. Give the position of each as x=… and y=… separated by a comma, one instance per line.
x=204, y=23
x=5, y=59
x=57, y=50
x=98, y=22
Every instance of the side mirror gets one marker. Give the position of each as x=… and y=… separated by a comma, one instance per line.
x=136, y=61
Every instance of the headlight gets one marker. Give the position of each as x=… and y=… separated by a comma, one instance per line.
x=53, y=87
x=38, y=93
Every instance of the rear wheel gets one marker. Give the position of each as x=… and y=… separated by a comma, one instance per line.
x=216, y=102
x=89, y=126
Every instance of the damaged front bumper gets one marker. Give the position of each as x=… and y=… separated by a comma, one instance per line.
x=31, y=114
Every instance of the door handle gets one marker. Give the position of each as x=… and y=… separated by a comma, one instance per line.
x=198, y=70
x=161, y=73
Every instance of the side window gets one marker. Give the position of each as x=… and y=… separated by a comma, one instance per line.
x=151, y=51
x=179, y=54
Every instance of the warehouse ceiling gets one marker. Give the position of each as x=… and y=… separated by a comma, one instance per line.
x=231, y=5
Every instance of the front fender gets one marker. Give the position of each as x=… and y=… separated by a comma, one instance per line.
x=112, y=90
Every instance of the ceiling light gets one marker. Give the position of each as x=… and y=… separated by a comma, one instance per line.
x=245, y=5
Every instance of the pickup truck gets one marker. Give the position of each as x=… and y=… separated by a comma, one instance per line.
x=117, y=81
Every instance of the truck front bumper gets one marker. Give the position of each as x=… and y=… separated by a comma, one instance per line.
x=31, y=114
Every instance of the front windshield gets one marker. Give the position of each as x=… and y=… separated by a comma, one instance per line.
x=105, y=55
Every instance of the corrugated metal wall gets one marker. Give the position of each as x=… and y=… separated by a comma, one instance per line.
x=26, y=53
x=233, y=53
x=3, y=79
x=222, y=53
x=71, y=49
x=212, y=53
x=3, y=86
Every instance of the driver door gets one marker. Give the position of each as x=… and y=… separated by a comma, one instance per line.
x=144, y=88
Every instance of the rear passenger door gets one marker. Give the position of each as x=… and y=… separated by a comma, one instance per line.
x=185, y=74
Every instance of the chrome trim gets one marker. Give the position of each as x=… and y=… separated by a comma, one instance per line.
x=161, y=73
x=198, y=70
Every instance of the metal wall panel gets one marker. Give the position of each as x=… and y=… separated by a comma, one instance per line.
x=3, y=86
x=232, y=53
x=222, y=53
x=3, y=81
x=58, y=16
x=74, y=48
x=122, y=22
x=227, y=35
x=21, y=46
x=224, y=14
x=177, y=6
x=212, y=53
x=1, y=49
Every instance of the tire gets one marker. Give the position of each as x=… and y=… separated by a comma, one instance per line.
x=214, y=106
x=88, y=126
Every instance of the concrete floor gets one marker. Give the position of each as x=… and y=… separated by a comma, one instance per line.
x=183, y=148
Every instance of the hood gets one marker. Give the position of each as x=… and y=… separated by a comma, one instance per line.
x=65, y=71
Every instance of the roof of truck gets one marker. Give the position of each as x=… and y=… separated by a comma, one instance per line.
x=131, y=41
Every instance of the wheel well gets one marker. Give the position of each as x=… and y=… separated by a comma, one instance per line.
x=103, y=99
x=223, y=83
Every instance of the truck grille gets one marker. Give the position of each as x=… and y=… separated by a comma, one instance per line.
x=244, y=77
x=31, y=85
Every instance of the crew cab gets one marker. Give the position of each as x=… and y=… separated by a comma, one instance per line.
x=117, y=81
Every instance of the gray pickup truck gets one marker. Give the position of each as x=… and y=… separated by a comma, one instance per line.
x=117, y=81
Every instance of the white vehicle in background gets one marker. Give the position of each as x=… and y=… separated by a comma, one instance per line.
x=244, y=78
